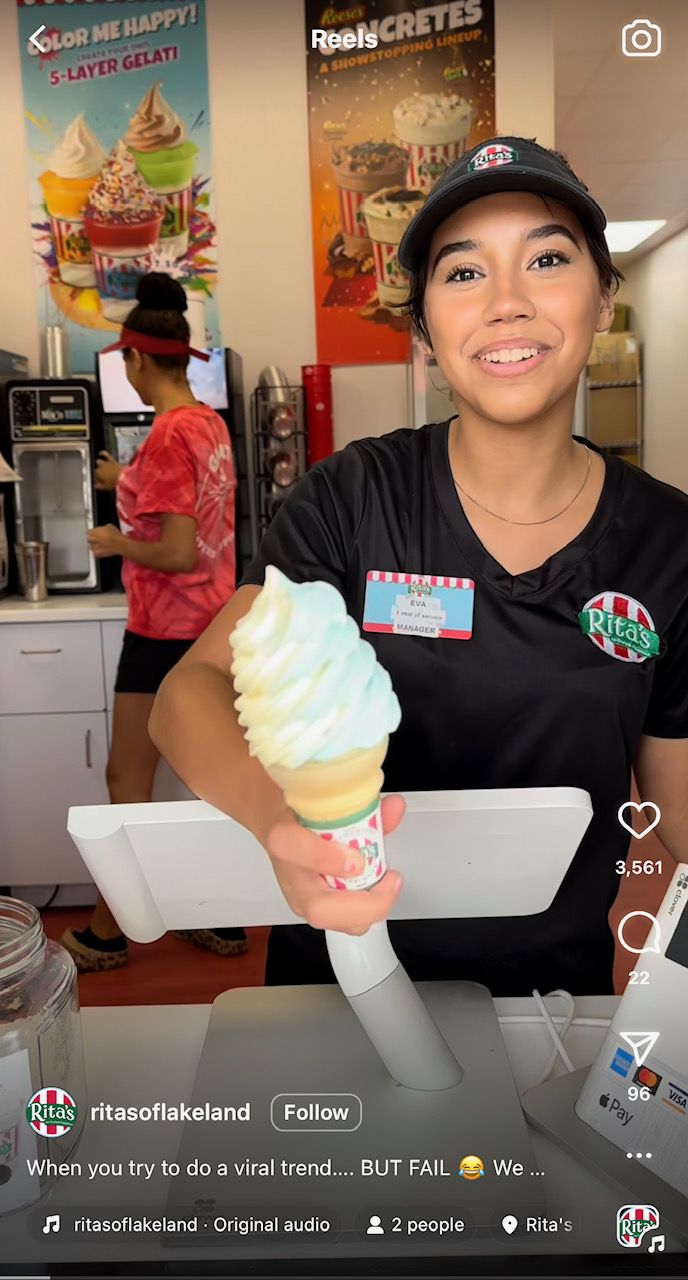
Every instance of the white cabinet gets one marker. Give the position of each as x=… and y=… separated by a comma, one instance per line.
x=113, y=635
x=56, y=696
x=55, y=666
x=167, y=785
x=47, y=763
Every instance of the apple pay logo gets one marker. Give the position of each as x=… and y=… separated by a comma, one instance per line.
x=616, y=1109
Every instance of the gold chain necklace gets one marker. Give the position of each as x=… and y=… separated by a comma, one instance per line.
x=549, y=519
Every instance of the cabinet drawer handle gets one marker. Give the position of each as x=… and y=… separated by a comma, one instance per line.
x=33, y=651
x=89, y=761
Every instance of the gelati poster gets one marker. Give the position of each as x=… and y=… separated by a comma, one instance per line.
x=118, y=137
x=384, y=122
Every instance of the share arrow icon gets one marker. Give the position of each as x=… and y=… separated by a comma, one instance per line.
x=641, y=1042
x=34, y=39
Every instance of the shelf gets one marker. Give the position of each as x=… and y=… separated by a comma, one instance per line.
x=604, y=386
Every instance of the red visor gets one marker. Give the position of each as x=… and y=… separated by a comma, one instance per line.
x=152, y=346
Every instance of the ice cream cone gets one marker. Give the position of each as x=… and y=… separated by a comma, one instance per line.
x=317, y=708
x=340, y=800
x=333, y=790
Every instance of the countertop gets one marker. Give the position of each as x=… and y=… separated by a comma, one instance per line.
x=107, y=606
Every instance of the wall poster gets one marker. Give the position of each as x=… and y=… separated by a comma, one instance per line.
x=384, y=122
x=118, y=136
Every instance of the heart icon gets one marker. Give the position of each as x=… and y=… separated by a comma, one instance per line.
x=652, y=809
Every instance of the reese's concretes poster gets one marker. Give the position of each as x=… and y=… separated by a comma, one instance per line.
x=385, y=121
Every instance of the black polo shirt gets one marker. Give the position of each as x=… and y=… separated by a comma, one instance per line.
x=568, y=664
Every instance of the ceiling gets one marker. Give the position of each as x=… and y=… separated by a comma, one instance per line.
x=623, y=122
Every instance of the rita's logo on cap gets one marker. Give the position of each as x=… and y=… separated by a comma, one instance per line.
x=621, y=626
x=490, y=157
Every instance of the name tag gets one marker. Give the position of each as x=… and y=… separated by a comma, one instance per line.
x=415, y=604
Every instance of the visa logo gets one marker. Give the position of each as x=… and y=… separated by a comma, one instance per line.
x=678, y=1098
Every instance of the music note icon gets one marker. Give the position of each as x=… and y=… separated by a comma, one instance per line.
x=657, y=1244
x=51, y=1224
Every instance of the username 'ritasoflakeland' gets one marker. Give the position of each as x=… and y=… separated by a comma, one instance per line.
x=170, y=1111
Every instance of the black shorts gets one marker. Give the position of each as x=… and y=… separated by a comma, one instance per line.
x=144, y=663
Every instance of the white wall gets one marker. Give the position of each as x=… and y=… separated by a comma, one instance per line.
x=655, y=288
x=18, y=300
x=259, y=119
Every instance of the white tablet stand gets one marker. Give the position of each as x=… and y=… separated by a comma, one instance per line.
x=447, y=1084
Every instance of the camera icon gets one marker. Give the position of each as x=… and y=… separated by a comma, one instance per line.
x=641, y=39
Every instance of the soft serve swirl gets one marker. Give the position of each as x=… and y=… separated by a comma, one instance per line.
x=79, y=154
x=154, y=124
x=310, y=689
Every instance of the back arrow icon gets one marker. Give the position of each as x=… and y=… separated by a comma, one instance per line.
x=34, y=41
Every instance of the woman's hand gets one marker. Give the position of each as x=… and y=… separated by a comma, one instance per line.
x=106, y=541
x=301, y=859
x=107, y=472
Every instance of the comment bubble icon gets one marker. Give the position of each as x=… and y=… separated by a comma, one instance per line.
x=653, y=939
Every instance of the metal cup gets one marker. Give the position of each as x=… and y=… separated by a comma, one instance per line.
x=54, y=352
x=32, y=564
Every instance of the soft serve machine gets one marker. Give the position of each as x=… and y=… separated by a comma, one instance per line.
x=51, y=446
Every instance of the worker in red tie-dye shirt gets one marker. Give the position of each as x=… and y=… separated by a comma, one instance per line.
x=176, y=510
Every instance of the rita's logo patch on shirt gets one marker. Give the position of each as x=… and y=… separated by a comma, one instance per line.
x=621, y=626
x=490, y=157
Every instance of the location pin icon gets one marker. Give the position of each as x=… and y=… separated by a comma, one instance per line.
x=509, y=1223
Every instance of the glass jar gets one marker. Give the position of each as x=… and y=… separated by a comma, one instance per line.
x=40, y=1049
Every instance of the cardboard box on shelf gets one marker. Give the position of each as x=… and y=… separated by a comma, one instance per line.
x=622, y=318
x=614, y=357
x=613, y=417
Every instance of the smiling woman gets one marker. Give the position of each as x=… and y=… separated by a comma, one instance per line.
x=510, y=279
x=534, y=531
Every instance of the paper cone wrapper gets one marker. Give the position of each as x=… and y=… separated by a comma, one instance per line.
x=340, y=800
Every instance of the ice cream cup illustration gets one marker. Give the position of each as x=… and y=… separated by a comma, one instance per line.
x=359, y=170
x=165, y=158
x=317, y=709
x=66, y=184
x=433, y=128
x=122, y=221
x=387, y=214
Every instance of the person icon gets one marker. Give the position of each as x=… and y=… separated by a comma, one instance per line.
x=375, y=1228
